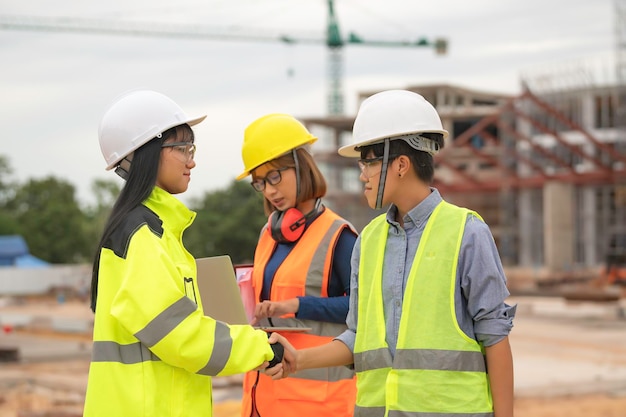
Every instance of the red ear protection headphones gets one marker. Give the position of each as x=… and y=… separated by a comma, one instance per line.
x=287, y=226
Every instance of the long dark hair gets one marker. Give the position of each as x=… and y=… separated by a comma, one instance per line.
x=141, y=180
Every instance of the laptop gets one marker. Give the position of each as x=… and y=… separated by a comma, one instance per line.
x=221, y=299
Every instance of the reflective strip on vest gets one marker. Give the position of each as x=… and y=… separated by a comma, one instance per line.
x=442, y=360
x=380, y=411
x=437, y=370
x=316, y=275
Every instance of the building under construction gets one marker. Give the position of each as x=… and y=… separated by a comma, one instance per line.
x=546, y=169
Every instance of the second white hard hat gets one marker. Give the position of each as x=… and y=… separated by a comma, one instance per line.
x=391, y=114
x=134, y=119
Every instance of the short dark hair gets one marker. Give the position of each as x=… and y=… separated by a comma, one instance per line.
x=421, y=161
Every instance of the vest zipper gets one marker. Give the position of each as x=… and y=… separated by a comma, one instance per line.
x=255, y=410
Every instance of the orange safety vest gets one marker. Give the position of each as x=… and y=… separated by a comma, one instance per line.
x=305, y=271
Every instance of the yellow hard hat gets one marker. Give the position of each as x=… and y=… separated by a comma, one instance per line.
x=269, y=137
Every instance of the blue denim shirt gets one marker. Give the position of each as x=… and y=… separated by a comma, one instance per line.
x=481, y=289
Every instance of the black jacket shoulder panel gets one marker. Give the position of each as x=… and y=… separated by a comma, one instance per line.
x=120, y=238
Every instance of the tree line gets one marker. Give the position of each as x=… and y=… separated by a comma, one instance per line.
x=57, y=229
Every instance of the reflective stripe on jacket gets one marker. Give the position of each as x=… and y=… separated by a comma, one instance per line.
x=154, y=350
x=437, y=369
x=305, y=271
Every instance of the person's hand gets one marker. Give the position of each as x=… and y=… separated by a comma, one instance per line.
x=289, y=363
x=275, y=308
x=262, y=366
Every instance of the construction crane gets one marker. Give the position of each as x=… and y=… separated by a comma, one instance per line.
x=334, y=41
x=335, y=44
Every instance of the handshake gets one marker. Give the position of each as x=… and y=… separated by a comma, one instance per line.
x=284, y=361
x=288, y=360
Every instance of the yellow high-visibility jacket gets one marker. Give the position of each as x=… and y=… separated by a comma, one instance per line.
x=154, y=350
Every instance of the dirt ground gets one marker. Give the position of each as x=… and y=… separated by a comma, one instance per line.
x=55, y=388
x=587, y=406
x=46, y=390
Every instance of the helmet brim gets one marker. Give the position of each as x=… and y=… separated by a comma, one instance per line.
x=244, y=174
x=191, y=122
x=196, y=120
x=351, y=150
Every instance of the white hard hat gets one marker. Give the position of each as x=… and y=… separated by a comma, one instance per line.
x=134, y=119
x=392, y=114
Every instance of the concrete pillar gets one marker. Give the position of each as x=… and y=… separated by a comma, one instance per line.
x=558, y=221
x=527, y=219
x=588, y=217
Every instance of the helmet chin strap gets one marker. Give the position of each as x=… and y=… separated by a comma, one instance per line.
x=383, y=176
x=295, y=160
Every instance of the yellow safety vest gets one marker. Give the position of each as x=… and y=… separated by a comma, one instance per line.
x=437, y=369
x=154, y=350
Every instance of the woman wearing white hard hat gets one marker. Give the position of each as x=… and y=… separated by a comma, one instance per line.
x=154, y=350
x=301, y=273
x=428, y=325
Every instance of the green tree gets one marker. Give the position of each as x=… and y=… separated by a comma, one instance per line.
x=228, y=223
x=5, y=173
x=50, y=220
x=8, y=225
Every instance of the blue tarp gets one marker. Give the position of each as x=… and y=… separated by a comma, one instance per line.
x=30, y=261
x=14, y=252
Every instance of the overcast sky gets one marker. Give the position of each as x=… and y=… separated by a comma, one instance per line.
x=55, y=87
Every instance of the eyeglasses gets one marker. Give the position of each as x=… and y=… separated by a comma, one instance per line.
x=366, y=164
x=272, y=178
x=186, y=150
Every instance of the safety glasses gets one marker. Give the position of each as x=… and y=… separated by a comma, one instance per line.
x=367, y=165
x=272, y=178
x=185, y=150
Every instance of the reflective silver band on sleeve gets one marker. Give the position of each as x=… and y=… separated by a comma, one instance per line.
x=106, y=351
x=166, y=321
x=222, y=346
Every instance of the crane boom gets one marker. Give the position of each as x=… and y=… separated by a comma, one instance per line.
x=333, y=39
x=172, y=30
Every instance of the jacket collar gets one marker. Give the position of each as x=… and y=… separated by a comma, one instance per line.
x=171, y=210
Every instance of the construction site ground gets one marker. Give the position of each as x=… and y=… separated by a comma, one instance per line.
x=569, y=359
